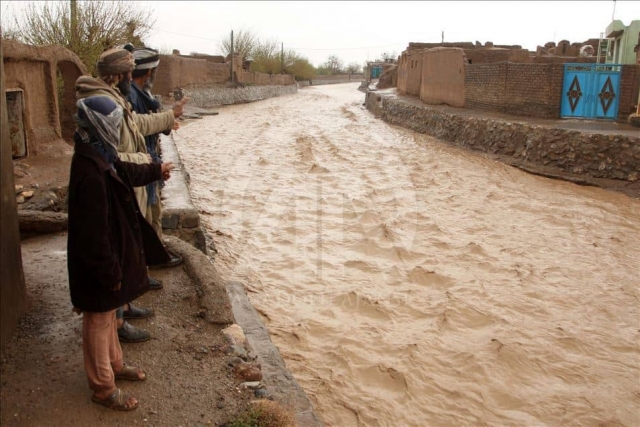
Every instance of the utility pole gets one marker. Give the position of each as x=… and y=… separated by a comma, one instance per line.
x=232, y=55
x=442, y=36
x=613, y=15
x=73, y=8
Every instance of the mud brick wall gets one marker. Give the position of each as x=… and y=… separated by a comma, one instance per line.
x=177, y=71
x=35, y=69
x=180, y=72
x=629, y=87
x=533, y=90
x=482, y=56
x=410, y=72
x=443, y=76
x=13, y=294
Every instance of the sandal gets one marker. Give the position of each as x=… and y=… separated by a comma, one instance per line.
x=116, y=401
x=130, y=373
x=136, y=313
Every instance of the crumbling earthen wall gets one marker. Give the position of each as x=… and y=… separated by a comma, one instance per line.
x=519, y=89
x=443, y=76
x=178, y=71
x=486, y=55
x=410, y=72
x=35, y=70
x=13, y=295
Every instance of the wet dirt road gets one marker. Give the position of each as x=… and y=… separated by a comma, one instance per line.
x=410, y=283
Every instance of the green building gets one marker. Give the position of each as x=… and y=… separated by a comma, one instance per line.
x=623, y=42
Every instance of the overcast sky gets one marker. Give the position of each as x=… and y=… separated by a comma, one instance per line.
x=363, y=30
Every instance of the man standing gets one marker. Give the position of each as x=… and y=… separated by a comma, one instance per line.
x=114, y=69
x=109, y=244
x=143, y=102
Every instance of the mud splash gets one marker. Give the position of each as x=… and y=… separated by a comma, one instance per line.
x=407, y=282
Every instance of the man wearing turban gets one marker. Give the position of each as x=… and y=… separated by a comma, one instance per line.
x=114, y=69
x=109, y=243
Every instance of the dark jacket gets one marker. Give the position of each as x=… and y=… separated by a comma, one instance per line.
x=109, y=242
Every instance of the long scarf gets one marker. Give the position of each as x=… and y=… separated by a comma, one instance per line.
x=100, y=131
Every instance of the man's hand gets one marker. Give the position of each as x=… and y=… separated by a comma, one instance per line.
x=178, y=107
x=117, y=287
x=176, y=125
x=166, y=169
x=149, y=159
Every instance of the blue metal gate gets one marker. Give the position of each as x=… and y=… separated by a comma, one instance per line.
x=591, y=91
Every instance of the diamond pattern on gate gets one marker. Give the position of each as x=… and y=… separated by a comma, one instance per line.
x=574, y=94
x=606, y=95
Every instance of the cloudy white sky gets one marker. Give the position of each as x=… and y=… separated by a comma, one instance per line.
x=363, y=30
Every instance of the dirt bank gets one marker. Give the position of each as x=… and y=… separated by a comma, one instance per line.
x=43, y=381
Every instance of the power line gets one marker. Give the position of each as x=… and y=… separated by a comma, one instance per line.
x=294, y=48
x=349, y=48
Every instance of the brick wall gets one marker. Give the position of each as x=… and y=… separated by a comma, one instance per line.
x=520, y=89
x=629, y=87
x=484, y=86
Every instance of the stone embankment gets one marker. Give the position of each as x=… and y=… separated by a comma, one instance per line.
x=217, y=96
x=588, y=151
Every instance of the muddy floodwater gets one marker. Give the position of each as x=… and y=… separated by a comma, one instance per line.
x=410, y=283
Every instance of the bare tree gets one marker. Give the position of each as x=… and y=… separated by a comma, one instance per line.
x=87, y=28
x=266, y=57
x=244, y=44
x=334, y=64
x=354, y=68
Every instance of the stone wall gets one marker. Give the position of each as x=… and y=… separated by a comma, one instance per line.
x=336, y=79
x=519, y=89
x=582, y=153
x=443, y=76
x=262, y=79
x=35, y=70
x=13, y=296
x=207, y=97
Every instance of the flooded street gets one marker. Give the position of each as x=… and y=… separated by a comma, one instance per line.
x=410, y=283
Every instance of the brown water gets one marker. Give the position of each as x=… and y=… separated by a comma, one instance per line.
x=410, y=283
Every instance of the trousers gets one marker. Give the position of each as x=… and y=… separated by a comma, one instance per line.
x=102, y=351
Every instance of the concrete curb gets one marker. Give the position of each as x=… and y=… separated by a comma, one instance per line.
x=278, y=379
x=179, y=216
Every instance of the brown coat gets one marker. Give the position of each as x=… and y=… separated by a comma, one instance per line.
x=109, y=241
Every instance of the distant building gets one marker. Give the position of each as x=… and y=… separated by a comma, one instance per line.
x=623, y=42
